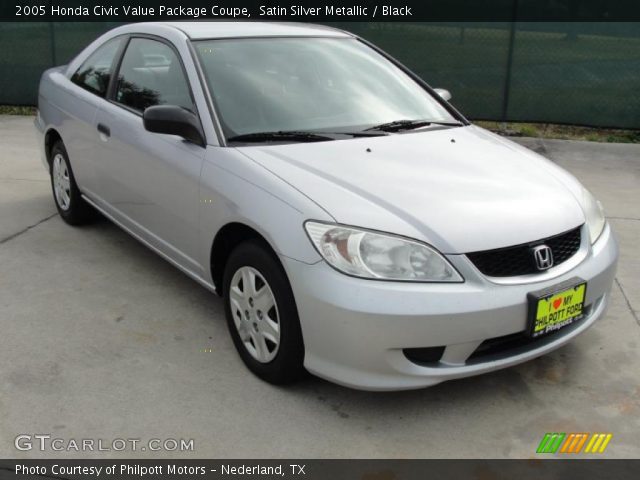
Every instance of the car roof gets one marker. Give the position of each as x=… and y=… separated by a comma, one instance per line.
x=222, y=29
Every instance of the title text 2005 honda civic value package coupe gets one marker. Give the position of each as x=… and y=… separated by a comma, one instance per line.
x=355, y=223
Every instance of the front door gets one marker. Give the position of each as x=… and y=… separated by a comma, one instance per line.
x=149, y=181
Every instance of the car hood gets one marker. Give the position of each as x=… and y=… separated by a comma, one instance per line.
x=460, y=189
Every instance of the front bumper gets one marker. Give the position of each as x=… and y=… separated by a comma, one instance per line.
x=355, y=330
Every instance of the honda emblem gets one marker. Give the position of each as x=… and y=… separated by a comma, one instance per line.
x=543, y=257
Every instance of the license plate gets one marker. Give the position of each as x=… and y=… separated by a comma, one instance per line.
x=556, y=307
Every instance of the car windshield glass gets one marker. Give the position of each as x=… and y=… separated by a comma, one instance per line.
x=310, y=84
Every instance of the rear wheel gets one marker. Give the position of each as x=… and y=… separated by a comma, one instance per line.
x=261, y=314
x=71, y=207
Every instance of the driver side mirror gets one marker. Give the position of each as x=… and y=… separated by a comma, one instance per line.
x=173, y=120
x=444, y=94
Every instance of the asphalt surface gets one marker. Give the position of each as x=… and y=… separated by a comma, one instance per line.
x=102, y=339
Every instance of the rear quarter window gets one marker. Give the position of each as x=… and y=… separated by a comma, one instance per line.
x=94, y=74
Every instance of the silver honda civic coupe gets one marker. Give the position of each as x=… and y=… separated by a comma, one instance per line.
x=357, y=226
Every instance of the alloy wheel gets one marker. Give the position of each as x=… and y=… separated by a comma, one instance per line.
x=61, y=181
x=255, y=314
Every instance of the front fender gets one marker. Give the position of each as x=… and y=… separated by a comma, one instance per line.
x=235, y=189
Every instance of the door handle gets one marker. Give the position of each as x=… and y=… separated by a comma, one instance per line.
x=104, y=129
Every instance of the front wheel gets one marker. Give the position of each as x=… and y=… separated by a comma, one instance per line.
x=262, y=315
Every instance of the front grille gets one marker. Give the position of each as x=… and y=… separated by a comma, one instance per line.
x=518, y=260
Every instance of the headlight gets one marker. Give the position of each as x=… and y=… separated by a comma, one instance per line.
x=594, y=214
x=379, y=256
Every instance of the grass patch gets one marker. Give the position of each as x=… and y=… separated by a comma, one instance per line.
x=562, y=132
x=17, y=110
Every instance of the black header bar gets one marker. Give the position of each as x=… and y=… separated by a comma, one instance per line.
x=322, y=11
x=588, y=469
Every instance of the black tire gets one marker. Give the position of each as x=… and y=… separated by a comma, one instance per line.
x=287, y=365
x=77, y=211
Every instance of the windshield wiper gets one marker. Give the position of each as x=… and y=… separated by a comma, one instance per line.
x=362, y=133
x=280, y=136
x=398, y=125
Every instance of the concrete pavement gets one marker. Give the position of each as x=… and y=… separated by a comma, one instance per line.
x=102, y=339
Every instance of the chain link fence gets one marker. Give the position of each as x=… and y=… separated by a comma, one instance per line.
x=577, y=73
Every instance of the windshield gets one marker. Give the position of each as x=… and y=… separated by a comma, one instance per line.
x=309, y=84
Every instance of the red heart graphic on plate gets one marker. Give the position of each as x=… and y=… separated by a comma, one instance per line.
x=556, y=303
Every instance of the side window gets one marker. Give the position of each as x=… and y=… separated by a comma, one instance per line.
x=151, y=74
x=94, y=73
